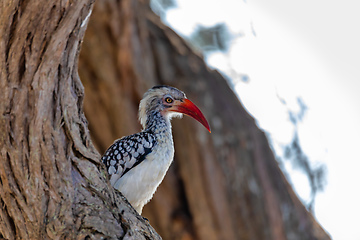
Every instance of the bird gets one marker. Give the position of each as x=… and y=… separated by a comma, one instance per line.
x=138, y=163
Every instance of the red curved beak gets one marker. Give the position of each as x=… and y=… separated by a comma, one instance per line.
x=190, y=109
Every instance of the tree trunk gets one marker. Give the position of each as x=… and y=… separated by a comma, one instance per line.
x=223, y=185
x=52, y=185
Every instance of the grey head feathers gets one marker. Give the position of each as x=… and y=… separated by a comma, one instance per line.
x=152, y=102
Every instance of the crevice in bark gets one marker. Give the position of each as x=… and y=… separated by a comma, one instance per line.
x=10, y=37
x=22, y=66
x=53, y=13
x=10, y=221
x=14, y=184
x=22, y=5
x=10, y=129
x=29, y=41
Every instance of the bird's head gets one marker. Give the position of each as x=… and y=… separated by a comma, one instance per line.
x=169, y=102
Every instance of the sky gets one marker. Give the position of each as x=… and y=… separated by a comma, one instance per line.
x=291, y=49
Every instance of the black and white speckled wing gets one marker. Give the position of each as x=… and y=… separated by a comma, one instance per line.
x=127, y=152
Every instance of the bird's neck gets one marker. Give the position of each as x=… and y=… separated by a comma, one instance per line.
x=158, y=124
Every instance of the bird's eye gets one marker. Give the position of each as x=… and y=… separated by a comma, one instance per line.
x=169, y=100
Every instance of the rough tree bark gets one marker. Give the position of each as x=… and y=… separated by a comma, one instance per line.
x=224, y=185
x=52, y=185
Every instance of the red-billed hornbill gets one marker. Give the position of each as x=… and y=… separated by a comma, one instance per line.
x=138, y=163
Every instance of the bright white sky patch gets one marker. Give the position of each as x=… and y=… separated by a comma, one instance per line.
x=307, y=49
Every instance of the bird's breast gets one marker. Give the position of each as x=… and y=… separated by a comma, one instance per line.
x=140, y=183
